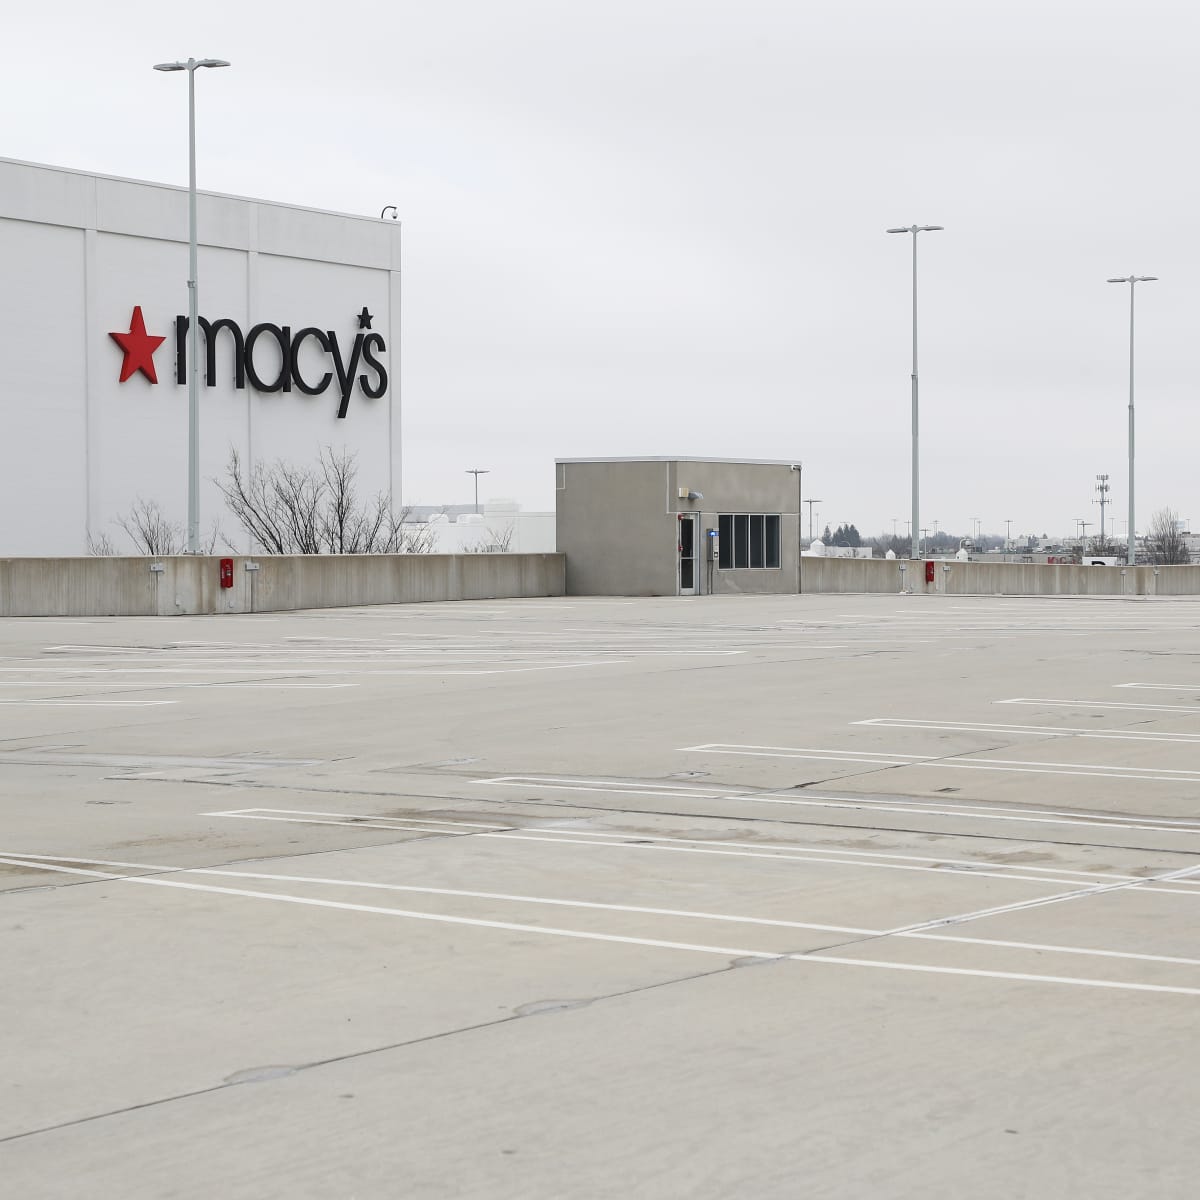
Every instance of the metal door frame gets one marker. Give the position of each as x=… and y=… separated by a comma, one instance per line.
x=694, y=590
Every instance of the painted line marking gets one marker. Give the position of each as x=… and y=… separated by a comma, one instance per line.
x=691, y=914
x=1098, y=889
x=1050, y=731
x=1184, y=708
x=634, y=843
x=1029, y=767
x=1162, y=687
x=549, y=931
x=296, y=816
x=45, y=702
x=936, y=808
x=973, y=866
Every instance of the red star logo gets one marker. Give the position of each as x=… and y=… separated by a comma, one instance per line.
x=138, y=347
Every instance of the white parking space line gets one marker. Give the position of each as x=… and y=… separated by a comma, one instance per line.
x=925, y=807
x=354, y=820
x=50, y=702
x=1104, y=704
x=643, y=843
x=1050, y=731
x=974, y=866
x=37, y=860
x=1162, y=687
x=1089, y=770
x=1098, y=889
x=813, y=957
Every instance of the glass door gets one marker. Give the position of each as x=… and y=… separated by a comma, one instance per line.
x=687, y=555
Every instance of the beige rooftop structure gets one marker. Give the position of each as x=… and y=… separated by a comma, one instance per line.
x=678, y=526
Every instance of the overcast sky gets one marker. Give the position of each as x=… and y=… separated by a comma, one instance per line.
x=657, y=227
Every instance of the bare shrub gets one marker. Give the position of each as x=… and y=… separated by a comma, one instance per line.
x=494, y=541
x=1165, y=541
x=316, y=510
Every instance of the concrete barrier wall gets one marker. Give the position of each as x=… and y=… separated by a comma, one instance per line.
x=102, y=586
x=996, y=579
x=180, y=585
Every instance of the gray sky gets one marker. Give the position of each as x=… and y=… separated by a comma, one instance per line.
x=656, y=227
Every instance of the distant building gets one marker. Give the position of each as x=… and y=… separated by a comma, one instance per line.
x=501, y=527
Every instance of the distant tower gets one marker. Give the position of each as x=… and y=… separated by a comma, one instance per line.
x=1102, y=489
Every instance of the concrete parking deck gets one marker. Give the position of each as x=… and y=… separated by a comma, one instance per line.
x=820, y=896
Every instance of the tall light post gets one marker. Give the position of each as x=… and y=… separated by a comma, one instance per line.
x=810, y=504
x=193, y=518
x=477, y=471
x=1103, y=489
x=916, y=457
x=1132, y=280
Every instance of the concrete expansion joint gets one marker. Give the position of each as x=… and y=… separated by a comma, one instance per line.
x=275, y=1073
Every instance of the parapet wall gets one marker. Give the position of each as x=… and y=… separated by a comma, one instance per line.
x=952, y=578
x=185, y=584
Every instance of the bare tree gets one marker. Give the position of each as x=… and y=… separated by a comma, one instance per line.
x=495, y=541
x=101, y=545
x=153, y=533
x=1165, y=541
x=316, y=510
x=151, y=530
x=1105, y=547
x=889, y=541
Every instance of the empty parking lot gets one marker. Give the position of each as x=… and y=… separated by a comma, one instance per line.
x=772, y=896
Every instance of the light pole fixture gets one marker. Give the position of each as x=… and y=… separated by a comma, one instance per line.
x=810, y=504
x=1103, y=489
x=193, y=517
x=389, y=208
x=1132, y=280
x=916, y=457
x=477, y=471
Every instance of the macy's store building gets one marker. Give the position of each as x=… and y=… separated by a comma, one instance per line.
x=299, y=347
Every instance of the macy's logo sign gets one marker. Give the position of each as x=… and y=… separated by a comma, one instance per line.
x=138, y=348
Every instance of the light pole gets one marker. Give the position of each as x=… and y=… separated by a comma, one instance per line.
x=1103, y=489
x=1132, y=280
x=916, y=457
x=476, y=471
x=389, y=208
x=810, y=504
x=193, y=518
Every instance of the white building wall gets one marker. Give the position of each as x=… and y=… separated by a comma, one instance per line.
x=79, y=251
x=527, y=533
